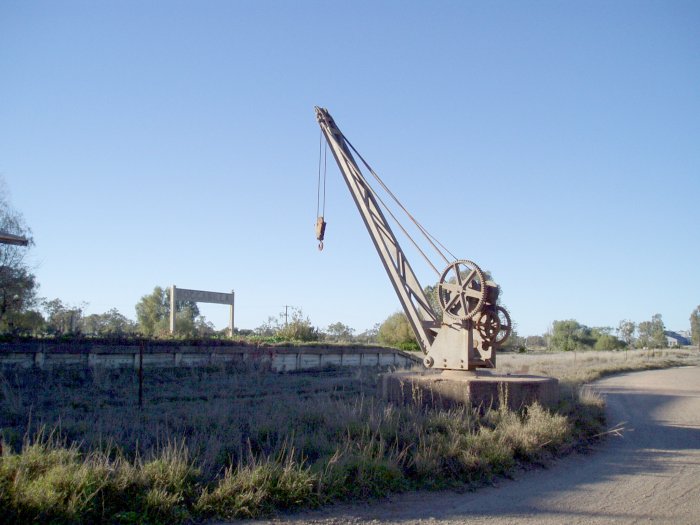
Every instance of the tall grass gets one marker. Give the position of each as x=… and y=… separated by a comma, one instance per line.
x=382, y=449
x=231, y=443
x=51, y=482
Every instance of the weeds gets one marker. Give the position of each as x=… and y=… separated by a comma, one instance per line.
x=231, y=443
x=260, y=487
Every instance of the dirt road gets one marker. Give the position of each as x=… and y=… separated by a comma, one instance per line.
x=649, y=475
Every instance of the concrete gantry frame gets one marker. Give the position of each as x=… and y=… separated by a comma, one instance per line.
x=201, y=296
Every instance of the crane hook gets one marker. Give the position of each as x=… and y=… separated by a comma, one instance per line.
x=320, y=231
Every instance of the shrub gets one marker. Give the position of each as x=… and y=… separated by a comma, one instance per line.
x=258, y=488
x=50, y=482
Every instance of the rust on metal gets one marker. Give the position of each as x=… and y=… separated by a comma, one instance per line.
x=320, y=231
x=471, y=325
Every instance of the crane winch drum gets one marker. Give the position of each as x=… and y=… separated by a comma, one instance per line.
x=471, y=325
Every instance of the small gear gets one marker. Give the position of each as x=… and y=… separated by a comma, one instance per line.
x=506, y=327
x=489, y=325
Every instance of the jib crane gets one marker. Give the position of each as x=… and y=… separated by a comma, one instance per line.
x=471, y=326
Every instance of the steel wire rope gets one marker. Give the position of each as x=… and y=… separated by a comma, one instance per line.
x=420, y=227
x=430, y=238
x=321, y=160
x=325, y=171
x=388, y=210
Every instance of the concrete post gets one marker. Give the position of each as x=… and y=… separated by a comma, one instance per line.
x=230, y=316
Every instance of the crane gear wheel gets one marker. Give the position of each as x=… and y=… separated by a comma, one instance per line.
x=506, y=327
x=462, y=290
x=494, y=325
x=489, y=325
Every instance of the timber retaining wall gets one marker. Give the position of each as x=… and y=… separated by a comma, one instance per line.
x=46, y=355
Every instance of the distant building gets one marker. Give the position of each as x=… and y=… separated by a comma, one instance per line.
x=676, y=339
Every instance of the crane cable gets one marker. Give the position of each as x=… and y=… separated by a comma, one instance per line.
x=429, y=237
x=425, y=232
x=321, y=203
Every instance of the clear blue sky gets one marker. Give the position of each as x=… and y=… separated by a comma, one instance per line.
x=557, y=144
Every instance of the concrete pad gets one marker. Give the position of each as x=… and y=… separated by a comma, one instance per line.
x=452, y=388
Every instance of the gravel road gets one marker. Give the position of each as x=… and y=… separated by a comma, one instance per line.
x=650, y=474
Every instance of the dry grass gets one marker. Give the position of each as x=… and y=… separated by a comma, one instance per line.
x=584, y=367
x=230, y=442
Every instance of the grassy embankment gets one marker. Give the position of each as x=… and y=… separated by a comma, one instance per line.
x=220, y=442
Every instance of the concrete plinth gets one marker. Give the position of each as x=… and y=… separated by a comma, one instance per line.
x=451, y=388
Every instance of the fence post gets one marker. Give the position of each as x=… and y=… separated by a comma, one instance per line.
x=141, y=375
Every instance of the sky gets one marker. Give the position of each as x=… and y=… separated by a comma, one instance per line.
x=555, y=144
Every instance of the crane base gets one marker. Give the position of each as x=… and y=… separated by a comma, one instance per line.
x=482, y=390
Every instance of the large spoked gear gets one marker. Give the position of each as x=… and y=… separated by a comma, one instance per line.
x=462, y=290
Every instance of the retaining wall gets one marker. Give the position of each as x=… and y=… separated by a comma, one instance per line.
x=51, y=354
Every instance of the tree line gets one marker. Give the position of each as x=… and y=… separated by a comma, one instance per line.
x=23, y=312
x=571, y=335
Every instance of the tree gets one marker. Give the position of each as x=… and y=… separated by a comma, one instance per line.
x=297, y=327
x=293, y=326
x=187, y=320
x=369, y=336
x=153, y=314
x=18, y=285
x=111, y=323
x=651, y=333
x=607, y=341
x=269, y=328
x=645, y=330
x=17, y=295
x=396, y=331
x=695, y=326
x=603, y=339
x=431, y=295
x=626, y=329
x=570, y=335
x=116, y=323
x=515, y=343
x=535, y=341
x=339, y=332
x=205, y=328
x=62, y=319
x=28, y=322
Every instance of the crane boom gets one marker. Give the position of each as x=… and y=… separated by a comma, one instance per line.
x=397, y=267
x=472, y=325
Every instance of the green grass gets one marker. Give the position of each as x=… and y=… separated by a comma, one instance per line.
x=235, y=443
x=383, y=450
